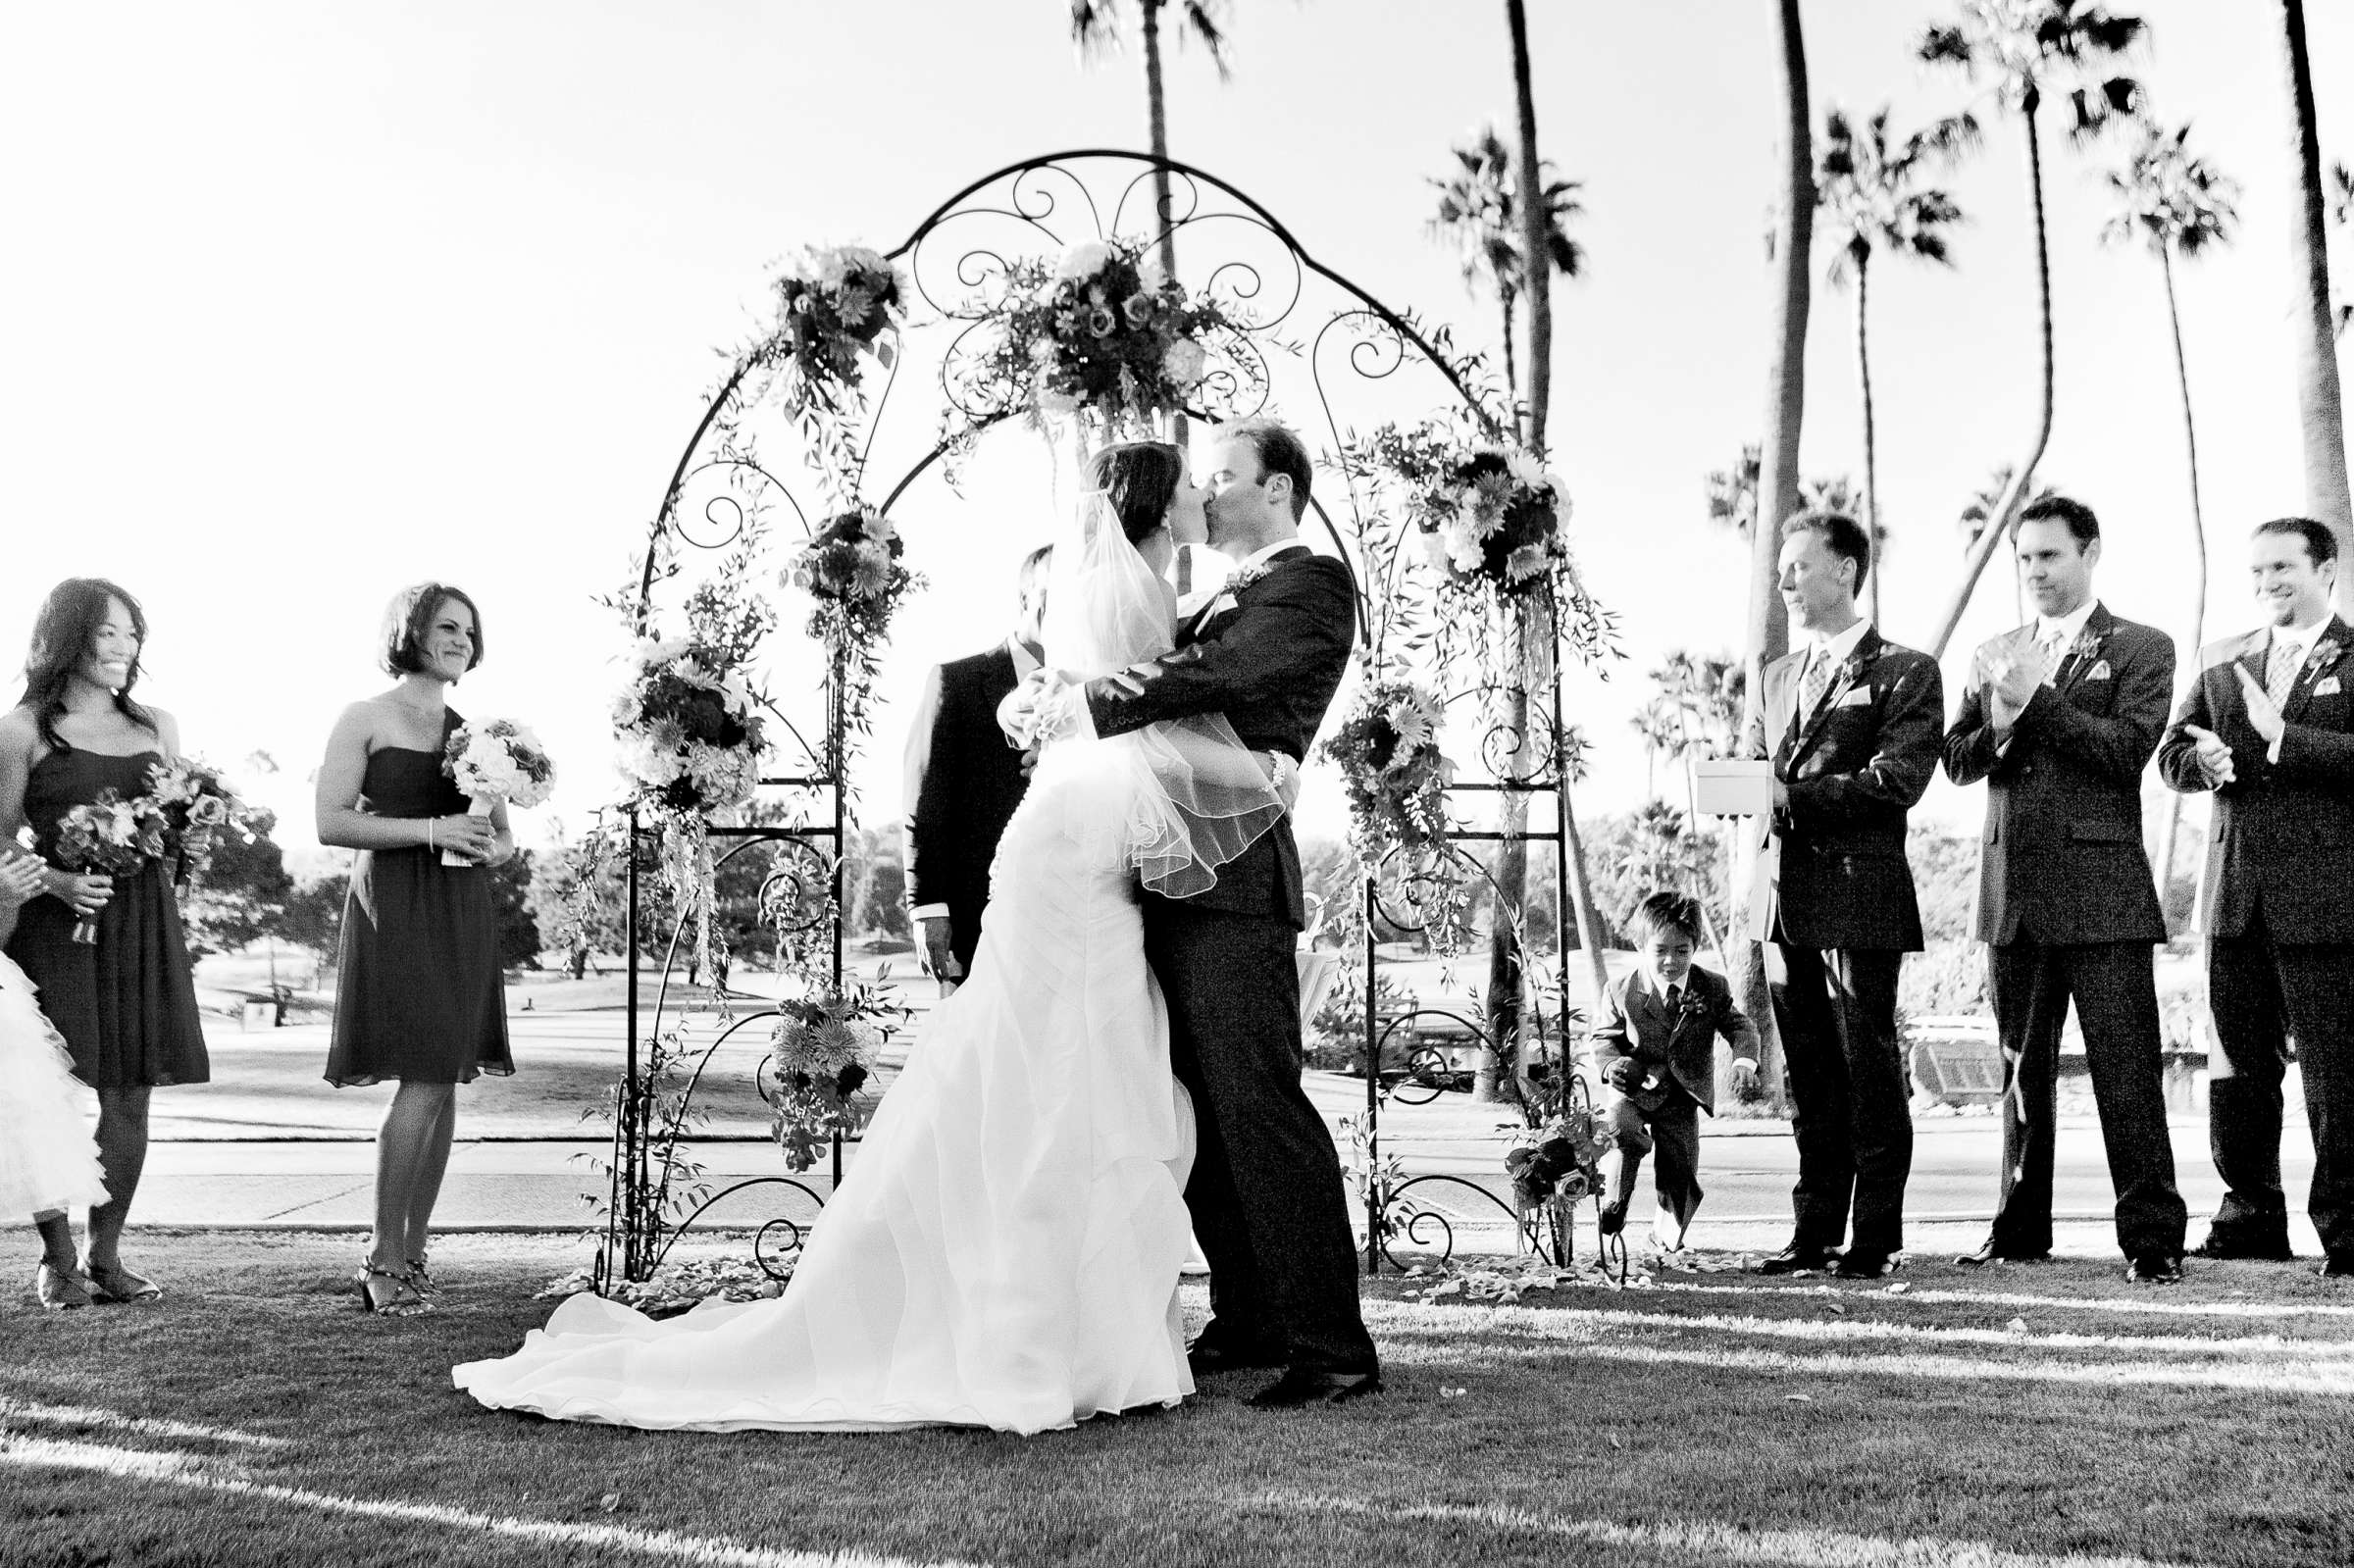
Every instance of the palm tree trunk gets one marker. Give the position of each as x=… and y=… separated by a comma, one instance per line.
x=1536, y=256
x=1157, y=109
x=1777, y=478
x=1512, y=353
x=1872, y=489
x=2172, y=831
x=2319, y=410
x=1998, y=522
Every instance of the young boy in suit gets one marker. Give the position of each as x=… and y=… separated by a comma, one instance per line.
x=1655, y=1049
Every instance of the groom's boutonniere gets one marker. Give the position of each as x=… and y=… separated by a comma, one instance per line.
x=1244, y=577
x=2325, y=654
x=2086, y=646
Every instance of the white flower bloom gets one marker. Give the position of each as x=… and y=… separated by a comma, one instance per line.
x=1084, y=260
x=1407, y=717
x=1184, y=362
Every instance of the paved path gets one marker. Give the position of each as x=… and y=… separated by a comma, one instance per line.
x=268, y=1144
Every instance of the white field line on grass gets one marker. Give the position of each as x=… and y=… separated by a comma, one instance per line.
x=2149, y=1302
x=187, y=1470
x=89, y=1418
x=2274, y=1378
x=1720, y=1544
x=1569, y=1324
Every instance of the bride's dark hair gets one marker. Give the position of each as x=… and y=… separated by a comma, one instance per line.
x=1140, y=478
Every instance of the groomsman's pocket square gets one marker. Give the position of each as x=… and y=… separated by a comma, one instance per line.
x=2099, y=672
x=2327, y=686
x=1860, y=698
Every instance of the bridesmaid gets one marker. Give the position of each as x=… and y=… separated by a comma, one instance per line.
x=420, y=998
x=126, y=1005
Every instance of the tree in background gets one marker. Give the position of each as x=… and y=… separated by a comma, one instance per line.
x=511, y=907
x=2341, y=216
x=1876, y=203
x=2321, y=413
x=2029, y=50
x=313, y=915
x=1980, y=512
x=241, y=896
x=2177, y=205
x=1479, y=216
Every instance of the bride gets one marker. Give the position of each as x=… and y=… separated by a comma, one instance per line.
x=1004, y=1252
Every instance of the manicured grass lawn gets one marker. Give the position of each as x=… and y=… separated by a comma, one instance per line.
x=2033, y=1416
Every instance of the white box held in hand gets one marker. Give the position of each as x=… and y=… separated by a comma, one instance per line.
x=1731, y=788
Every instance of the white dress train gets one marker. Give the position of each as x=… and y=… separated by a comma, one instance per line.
x=1005, y=1247
x=48, y=1160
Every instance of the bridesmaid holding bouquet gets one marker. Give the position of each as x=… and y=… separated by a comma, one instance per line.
x=120, y=991
x=420, y=998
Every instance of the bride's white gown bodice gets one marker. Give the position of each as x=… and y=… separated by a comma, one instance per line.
x=1005, y=1247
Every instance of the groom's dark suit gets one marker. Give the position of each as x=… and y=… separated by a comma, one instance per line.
x=1265, y=1194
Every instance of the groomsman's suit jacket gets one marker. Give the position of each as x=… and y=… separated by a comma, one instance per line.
x=1854, y=767
x=1635, y=1023
x=2281, y=838
x=1269, y=656
x=963, y=783
x=2061, y=861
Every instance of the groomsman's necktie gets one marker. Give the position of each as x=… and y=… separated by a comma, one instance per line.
x=1814, y=682
x=2054, y=642
x=2280, y=671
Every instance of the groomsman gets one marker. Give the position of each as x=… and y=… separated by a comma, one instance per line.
x=2060, y=716
x=1852, y=724
x=963, y=783
x=2269, y=727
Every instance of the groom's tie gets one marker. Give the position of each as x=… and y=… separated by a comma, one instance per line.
x=1814, y=682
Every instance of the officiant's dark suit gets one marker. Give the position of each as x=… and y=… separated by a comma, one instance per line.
x=963, y=781
x=2277, y=907
x=2066, y=906
x=1266, y=1194
x=1838, y=912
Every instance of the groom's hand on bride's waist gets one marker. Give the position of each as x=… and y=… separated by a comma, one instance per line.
x=1131, y=681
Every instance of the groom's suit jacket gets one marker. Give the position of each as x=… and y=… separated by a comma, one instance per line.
x=1269, y=656
x=1854, y=767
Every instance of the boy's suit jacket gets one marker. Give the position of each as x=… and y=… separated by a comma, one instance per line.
x=1854, y=768
x=2061, y=861
x=2282, y=838
x=1635, y=1023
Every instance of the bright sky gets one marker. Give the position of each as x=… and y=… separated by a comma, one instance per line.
x=304, y=302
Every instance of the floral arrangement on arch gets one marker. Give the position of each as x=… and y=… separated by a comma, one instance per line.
x=690, y=734
x=835, y=303
x=1559, y=1161
x=823, y=1053
x=1494, y=526
x=1102, y=331
x=851, y=570
x=1387, y=748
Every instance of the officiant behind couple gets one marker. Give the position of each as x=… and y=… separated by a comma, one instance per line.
x=1006, y=1250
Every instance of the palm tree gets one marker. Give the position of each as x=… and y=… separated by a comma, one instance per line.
x=1095, y=30
x=2179, y=206
x=2321, y=414
x=1873, y=195
x=1479, y=214
x=1985, y=505
x=2341, y=214
x=2031, y=49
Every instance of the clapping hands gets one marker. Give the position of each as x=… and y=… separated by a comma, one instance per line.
x=2263, y=714
x=2213, y=755
x=2012, y=675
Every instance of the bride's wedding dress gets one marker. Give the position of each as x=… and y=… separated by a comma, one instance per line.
x=1004, y=1249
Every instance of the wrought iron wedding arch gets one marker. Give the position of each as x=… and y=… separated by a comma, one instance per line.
x=1354, y=348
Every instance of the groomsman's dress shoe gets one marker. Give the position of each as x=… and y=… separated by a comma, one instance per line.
x=1799, y=1258
x=2265, y=1249
x=1858, y=1264
x=1211, y=1354
x=1989, y=1253
x=2154, y=1268
x=1297, y=1387
x=2337, y=1266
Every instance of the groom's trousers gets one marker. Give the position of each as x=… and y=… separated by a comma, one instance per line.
x=1266, y=1193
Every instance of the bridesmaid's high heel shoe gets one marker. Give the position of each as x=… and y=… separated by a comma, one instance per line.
x=420, y=1281
x=401, y=1300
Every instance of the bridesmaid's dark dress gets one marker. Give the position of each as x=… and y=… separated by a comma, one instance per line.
x=420, y=998
x=127, y=1006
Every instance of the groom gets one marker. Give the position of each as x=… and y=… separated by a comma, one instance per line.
x=1267, y=652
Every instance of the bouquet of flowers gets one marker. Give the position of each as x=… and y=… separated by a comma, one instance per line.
x=113, y=836
x=1388, y=753
x=822, y=1054
x=196, y=805
x=690, y=739
x=1104, y=330
x=833, y=303
x=493, y=760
